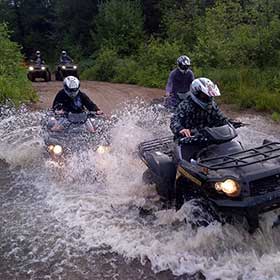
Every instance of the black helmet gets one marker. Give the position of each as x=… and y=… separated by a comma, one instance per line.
x=183, y=63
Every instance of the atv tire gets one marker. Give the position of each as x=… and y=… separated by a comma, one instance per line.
x=30, y=77
x=47, y=77
x=184, y=191
x=58, y=76
x=148, y=177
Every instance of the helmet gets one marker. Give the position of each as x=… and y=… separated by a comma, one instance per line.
x=63, y=52
x=183, y=63
x=202, y=91
x=71, y=86
x=38, y=53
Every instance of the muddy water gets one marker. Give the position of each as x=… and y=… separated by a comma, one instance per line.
x=83, y=221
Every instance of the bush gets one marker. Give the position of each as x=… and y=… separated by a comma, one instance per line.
x=104, y=67
x=156, y=60
x=247, y=87
x=126, y=71
x=275, y=116
x=149, y=67
x=13, y=81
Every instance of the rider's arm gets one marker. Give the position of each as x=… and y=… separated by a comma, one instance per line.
x=70, y=59
x=87, y=102
x=180, y=117
x=169, y=85
x=219, y=117
x=59, y=99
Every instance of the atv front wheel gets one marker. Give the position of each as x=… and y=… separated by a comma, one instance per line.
x=30, y=77
x=148, y=177
x=184, y=191
x=58, y=76
x=47, y=76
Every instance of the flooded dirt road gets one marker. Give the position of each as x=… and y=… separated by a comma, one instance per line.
x=83, y=221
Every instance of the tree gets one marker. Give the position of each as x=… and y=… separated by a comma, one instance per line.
x=74, y=24
x=31, y=22
x=119, y=25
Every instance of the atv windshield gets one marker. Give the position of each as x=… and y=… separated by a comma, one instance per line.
x=71, y=123
x=220, y=134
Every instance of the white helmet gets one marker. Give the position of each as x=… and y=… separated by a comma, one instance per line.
x=71, y=86
x=203, y=90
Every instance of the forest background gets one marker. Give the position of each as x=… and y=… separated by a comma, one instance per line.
x=233, y=42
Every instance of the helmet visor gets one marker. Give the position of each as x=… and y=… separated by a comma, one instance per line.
x=72, y=92
x=184, y=67
x=204, y=97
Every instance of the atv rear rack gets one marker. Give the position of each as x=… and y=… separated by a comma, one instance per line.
x=248, y=157
x=163, y=145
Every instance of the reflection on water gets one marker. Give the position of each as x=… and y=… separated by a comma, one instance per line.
x=84, y=222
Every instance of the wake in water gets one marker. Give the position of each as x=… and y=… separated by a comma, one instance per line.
x=84, y=212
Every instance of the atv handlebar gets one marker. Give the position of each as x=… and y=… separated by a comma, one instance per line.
x=204, y=136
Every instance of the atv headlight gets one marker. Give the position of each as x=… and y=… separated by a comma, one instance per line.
x=63, y=67
x=75, y=67
x=229, y=187
x=103, y=149
x=55, y=149
x=31, y=68
x=43, y=68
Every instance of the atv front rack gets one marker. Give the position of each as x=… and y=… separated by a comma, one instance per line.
x=164, y=145
x=247, y=157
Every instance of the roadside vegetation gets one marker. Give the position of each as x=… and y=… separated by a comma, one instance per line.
x=236, y=42
x=14, y=86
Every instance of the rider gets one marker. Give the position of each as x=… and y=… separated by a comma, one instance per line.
x=71, y=100
x=65, y=58
x=38, y=59
x=179, y=81
x=198, y=110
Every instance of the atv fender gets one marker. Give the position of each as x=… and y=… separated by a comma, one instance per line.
x=164, y=173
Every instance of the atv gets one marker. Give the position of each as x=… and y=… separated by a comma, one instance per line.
x=222, y=174
x=65, y=70
x=36, y=70
x=81, y=131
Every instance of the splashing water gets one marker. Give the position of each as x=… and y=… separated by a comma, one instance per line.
x=94, y=206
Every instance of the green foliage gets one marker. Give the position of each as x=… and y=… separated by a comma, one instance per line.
x=155, y=62
x=150, y=67
x=233, y=35
x=104, y=68
x=247, y=87
x=13, y=82
x=276, y=117
x=119, y=26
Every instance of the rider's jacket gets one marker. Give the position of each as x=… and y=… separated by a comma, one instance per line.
x=178, y=82
x=191, y=116
x=73, y=105
x=38, y=60
x=65, y=59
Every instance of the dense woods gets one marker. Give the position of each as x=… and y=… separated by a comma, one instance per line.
x=236, y=42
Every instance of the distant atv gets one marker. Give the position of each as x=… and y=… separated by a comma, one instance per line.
x=223, y=177
x=64, y=70
x=38, y=71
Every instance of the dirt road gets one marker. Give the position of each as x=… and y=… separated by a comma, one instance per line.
x=107, y=96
